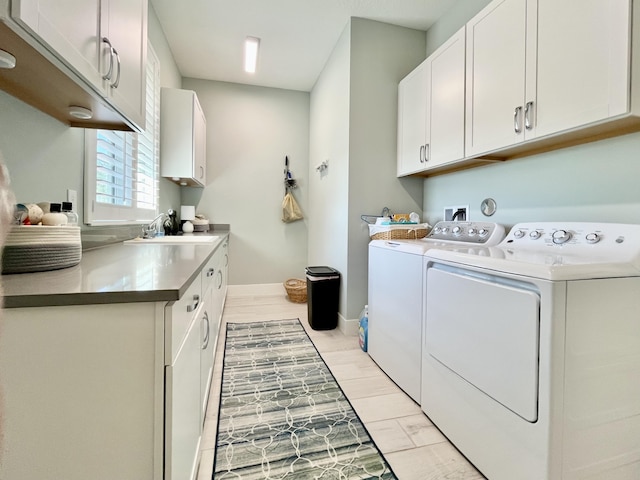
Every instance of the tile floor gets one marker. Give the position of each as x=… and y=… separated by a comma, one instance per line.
x=415, y=449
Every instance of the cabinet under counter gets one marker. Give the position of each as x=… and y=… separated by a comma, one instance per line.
x=100, y=384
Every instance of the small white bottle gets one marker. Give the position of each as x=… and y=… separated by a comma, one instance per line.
x=72, y=217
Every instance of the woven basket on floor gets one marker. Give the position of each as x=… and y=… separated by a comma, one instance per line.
x=296, y=289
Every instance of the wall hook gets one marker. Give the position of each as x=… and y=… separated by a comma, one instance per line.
x=323, y=166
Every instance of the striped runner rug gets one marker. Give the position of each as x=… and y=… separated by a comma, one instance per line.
x=283, y=415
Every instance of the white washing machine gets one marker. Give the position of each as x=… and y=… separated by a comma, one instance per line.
x=531, y=351
x=395, y=296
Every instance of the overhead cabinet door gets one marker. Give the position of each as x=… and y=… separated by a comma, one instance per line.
x=496, y=54
x=582, y=62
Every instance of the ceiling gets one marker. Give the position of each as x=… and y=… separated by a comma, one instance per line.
x=297, y=36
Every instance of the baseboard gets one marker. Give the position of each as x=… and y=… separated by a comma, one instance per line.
x=256, y=289
x=348, y=327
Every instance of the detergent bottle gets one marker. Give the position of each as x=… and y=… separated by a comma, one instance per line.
x=364, y=327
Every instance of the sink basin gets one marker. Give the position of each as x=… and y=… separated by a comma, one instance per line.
x=174, y=240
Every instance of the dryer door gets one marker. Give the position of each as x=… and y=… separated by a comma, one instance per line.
x=486, y=330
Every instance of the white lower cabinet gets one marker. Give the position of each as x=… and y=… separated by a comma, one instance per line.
x=110, y=391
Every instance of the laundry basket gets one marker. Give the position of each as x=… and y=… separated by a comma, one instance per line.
x=296, y=290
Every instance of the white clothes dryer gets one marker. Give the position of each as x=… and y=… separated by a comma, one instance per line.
x=531, y=351
x=395, y=296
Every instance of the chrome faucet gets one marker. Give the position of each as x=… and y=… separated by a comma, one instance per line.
x=152, y=229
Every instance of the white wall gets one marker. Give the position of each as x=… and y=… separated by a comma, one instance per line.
x=45, y=157
x=249, y=132
x=353, y=125
x=591, y=182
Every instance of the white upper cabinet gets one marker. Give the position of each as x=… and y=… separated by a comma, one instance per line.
x=183, y=138
x=496, y=73
x=413, y=132
x=103, y=41
x=583, y=62
x=431, y=110
x=539, y=68
x=447, y=102
x=127, y=84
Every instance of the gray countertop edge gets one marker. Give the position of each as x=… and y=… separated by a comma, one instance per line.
x=171, y=290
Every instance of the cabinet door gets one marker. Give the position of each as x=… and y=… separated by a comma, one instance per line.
x=496, y=45
x=72, y=32
x=182, y=422
x=582, y=68
x=208, y=339
x=446, y=101
x=413, y=125
x=124, y=24
x=199, y=143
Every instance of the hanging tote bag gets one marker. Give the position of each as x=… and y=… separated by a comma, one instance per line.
x=290, y=209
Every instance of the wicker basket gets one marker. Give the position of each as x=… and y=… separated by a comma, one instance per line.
x=398, y=232
x=296, y=289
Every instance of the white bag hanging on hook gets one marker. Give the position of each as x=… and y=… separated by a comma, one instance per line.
x=290, y=209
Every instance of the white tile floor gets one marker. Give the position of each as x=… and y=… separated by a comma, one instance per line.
x=415, y=449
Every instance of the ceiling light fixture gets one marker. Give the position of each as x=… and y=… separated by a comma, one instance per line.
x=251, y=45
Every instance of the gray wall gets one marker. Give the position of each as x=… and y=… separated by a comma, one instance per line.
x=353, y=126
x=591, y=182
x=249, y=132
x=45, y=157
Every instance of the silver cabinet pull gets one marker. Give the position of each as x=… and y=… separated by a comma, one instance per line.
x=528, y=111
x=107, y=76
x=516, y=119
x=117, y=55
x=196, y=302
x=421, y=154
x=219, y=280
x=427, y=152
x=201, y=171
x=205, y=342
x=210, y=272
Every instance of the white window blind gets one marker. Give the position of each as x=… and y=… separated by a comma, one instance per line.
x=122, y=168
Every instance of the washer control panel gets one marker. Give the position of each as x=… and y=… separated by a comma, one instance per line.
x=483, y=233
x=570, y=235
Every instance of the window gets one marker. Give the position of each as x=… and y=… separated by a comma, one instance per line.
x=122, y=168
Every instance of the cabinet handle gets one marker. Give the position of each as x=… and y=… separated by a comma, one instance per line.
x=421, y=154
x=210, y=272
x=117, y=82
x=427, y=152
x=528, y=110
x=205, y=342
x=219, y=280
x=194, y=306
x=226, y=258
x=516, y=119
x=107, y=76
x=201, y=172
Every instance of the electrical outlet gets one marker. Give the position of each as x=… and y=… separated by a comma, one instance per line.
x=460, y=213
x=72, y=196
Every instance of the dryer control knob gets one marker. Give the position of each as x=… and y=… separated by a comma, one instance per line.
x=483, y=232
x=471, y=232
x=561, y=236
x=535, y=234
x=457, y=230
x=518, y=234
x=592, y=238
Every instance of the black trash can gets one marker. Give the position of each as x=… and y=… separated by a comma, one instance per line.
x=323, y=294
